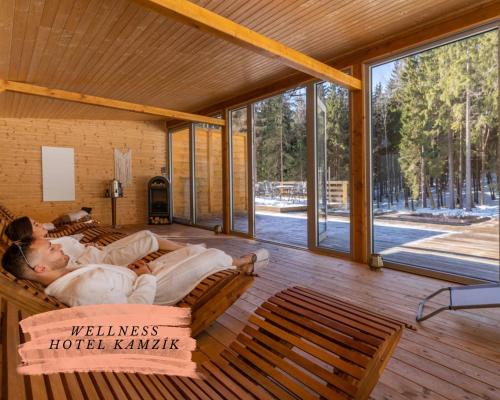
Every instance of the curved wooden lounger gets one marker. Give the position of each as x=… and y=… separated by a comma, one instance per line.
x=300, y=344
x=208, y=300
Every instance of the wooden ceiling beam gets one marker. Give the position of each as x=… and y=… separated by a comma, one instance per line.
x=19, y=87
x=208, y=21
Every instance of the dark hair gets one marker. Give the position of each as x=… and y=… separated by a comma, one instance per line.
x=19, y=229
x=15, y=258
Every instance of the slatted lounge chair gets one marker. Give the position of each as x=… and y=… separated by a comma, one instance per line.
x=208, y=300
x=299, y=344
x=464, y=297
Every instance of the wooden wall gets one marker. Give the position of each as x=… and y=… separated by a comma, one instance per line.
x=93, y=141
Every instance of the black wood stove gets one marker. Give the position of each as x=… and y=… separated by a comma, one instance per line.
x=158, y=203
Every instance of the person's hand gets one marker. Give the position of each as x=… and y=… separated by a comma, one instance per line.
x=139, y=267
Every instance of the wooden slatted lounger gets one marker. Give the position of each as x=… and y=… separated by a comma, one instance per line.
x=214, y=295
x=299, y=344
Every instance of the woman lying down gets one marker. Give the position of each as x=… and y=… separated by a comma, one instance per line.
x=112, y=274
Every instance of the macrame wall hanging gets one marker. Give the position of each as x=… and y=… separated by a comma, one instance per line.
x=123, y=166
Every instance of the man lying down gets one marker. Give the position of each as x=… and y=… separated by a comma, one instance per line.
x=164, y=281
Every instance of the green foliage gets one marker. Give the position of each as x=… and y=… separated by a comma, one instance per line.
x=424, y=102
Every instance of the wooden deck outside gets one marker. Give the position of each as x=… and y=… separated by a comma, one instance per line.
x=471, y=251
x=455, y=355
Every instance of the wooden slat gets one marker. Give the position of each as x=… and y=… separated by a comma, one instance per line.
x=252, y=372
x=289, y=368
x=267, y=369
x=27, y=88
x=309, y=334
x=303, y=362
x=319, y=353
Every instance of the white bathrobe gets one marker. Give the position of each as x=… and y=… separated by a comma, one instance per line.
x=122, y=252
x=173, y=276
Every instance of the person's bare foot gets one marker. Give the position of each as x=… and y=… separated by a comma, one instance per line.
x=250, y=264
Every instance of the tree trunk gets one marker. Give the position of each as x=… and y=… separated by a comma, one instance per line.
x=490, y=186
x=468, y=164
x=451, y=173
x=482, y=174
x=422, y=178
x=460, y=174
x=429, y=194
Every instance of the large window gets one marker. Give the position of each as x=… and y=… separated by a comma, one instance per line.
x=280, y=152
x=333, y=167
x=434, y=147
x=208, y=175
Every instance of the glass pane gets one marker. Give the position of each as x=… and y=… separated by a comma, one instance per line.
x=208, y=175
x=333, y=166
x=281, y=168
x=239, y=162
x=435, y=158
x=181, y=201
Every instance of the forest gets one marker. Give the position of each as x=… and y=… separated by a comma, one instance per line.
x=435, y=127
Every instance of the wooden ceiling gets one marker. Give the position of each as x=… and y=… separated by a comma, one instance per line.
x=121, y=50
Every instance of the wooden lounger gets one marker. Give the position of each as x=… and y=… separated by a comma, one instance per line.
x=299, y=344
x=208, y=300
x=214, y=295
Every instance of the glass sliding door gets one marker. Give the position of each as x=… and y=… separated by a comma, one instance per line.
x=434, y=158
x=180, y=168
x=280, y=180
x=239, y=169
x=208, y=175
x=333, y=170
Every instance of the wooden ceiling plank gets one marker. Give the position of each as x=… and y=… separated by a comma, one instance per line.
x=35, y=16
x=105, y=21
x=129, y=62
x=26, y=88
x=78, y=26
x=82, y=23
x=169, y=69
x=114, y=67
x=21, y=13
x=206, y=20
x=50, y=10
x=52, y=47
x=123, y=27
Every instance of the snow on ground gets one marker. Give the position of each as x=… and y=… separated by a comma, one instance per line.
x=490, y=210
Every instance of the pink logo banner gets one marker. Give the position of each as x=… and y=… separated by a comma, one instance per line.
x=120, y=337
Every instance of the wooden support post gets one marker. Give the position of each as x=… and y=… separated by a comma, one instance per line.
x=359, y=176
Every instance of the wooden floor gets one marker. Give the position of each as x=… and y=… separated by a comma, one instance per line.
x=455, y=355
